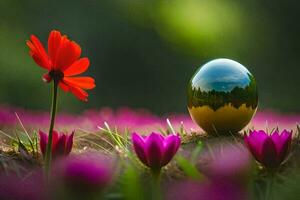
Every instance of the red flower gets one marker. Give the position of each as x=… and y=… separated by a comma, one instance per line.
x=62, y=62
x=61, y=143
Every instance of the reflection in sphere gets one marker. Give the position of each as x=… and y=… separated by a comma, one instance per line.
x=222, y=97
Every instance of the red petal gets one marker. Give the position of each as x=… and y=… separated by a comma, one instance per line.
x=38, y=52
x=54, y=42
x=54, y=140
x=43, y=141
x=79, y=93
x=69, y=143
x=60, y=146
x=77, y=67
x=67, y=53
x=31, y=47
x=38, y=60
x=81, y=82
x=64, y=86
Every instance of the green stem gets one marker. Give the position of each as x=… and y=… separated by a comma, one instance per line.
x=269, y=187
x=156, y=192
x=48, y=156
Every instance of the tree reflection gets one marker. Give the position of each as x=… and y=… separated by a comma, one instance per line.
x=216, y=99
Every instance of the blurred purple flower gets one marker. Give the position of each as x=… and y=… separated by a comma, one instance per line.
x=269, y=150
x=61, y=143
x=155, y=150
x=214, y=190
x=226, y=161
x=85, y=174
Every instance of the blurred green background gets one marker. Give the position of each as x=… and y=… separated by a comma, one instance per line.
x=143, y=52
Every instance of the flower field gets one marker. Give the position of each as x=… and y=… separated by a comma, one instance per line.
x=103, y=163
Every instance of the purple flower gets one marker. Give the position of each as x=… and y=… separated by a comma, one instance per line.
x=269, y=150
x=61, y=143
x=86, y=174
x=155, y=150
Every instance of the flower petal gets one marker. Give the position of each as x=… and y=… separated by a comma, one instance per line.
x=38, y=53
x=69, y=143
x=39, y=60
x=67, y=53
x=77, y=67
x=155, y=149
x=43, y=141
x=54, y=42
x=79, y=93
x=171, y=145
x=255, y=141
x=81, y=82
x=54, y=140
x=139, y=147
x=286, y=139
x=269, y=154
x=276, y=139
x=59, y=149
x=63, y=86
x=286, y=135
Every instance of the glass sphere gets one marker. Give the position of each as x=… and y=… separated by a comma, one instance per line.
x=222, y=97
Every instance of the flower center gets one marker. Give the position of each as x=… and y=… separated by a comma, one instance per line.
x=56, y=75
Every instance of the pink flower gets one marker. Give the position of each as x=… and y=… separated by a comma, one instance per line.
x=83, y=176
x=61, y=143
x=155, y=150
x=269, y=150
